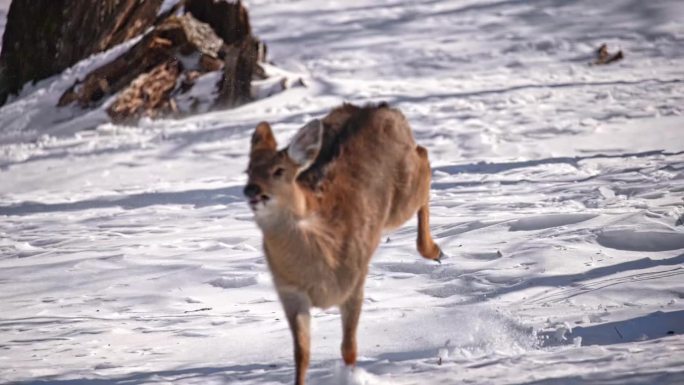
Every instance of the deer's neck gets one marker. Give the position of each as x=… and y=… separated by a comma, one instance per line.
x=302, y=203
x=296, y=229
x=282, y=216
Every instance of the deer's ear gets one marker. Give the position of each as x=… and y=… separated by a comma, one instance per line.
x=306, y=144
x=263, y=138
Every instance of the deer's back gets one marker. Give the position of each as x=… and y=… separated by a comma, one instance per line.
x=368, y=156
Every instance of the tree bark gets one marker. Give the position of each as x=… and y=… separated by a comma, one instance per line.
x=239, y=67
x=176, y=37
x=230, y=21
x=44, y=37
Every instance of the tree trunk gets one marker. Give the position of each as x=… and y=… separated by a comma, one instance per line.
x=238, y=70
x=229, y=21
x=44, y=37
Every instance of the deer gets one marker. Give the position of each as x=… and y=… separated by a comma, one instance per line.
x=322, y=204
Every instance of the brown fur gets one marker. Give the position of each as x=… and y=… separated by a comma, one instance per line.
x=322, y=221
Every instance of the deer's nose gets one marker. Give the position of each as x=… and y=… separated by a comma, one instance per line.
x=252, y=190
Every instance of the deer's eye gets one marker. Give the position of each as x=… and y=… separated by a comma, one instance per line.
x=278, y=172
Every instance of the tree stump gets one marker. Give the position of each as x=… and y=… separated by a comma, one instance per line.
x=171, y=58
x=191, y=39
x=44, y=37
x=175, y=39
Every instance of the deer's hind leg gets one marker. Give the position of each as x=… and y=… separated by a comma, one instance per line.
x=426, y=245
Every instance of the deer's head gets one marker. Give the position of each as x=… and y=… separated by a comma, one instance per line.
x=272, y=173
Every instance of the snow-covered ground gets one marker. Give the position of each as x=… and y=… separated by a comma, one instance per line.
x=127, y=254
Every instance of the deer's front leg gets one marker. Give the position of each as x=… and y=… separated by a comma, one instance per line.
x=351, y=311
x=297, y=307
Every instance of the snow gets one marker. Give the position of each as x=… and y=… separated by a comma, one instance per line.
x=128, y=255
x=167, y=5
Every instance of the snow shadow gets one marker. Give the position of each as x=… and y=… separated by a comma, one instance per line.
x=641, y=240
x=607, y=378
x=65, y=152
x=395, y=100
x=323, y=372
x=263, y=372
x=493, y=168
x=197, y=198
x=648, y=327
x=577, y=288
